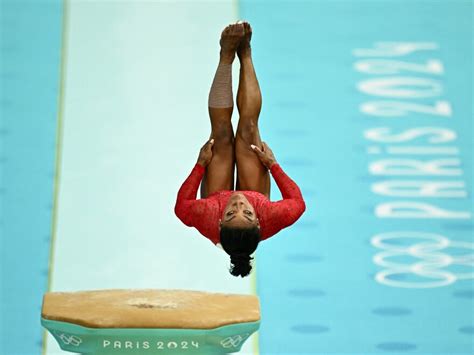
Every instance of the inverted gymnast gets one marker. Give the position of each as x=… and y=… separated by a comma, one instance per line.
x=237, y=220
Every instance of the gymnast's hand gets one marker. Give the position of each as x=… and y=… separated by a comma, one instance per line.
x=265, y=154
x=205, y=154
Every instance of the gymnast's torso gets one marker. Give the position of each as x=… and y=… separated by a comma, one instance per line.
x=204, y=214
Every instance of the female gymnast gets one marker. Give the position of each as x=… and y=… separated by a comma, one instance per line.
x=237, y=220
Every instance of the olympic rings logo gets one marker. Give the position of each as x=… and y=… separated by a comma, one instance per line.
x=432, y=259
x=233, y=341
x=69, y=339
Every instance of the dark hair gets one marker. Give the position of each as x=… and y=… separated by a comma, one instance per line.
x=239, y=243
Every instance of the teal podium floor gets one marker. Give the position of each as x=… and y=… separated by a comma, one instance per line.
x=367, y=105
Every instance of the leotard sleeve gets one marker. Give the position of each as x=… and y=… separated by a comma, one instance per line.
x=201, y=214
x=283, y=213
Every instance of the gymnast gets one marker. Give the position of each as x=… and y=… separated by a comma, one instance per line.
x=237, y=221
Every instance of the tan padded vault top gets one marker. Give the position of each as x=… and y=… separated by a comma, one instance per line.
x=150, y=308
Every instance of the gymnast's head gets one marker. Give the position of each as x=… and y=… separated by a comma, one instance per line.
x=239, y=233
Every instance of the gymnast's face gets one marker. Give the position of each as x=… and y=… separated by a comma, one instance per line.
x=239, y=212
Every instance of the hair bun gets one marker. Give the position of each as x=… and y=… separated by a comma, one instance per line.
x=240, y=258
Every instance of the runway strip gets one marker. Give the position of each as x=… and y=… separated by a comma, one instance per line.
x=135, y=116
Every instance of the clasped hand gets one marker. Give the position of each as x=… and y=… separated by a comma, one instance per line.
x=265, y=154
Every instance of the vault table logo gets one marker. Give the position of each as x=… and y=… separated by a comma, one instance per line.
x=233, y=341
x=67, y=339
x=431, y=250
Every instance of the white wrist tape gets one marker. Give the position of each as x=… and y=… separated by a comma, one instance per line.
x=221, y=90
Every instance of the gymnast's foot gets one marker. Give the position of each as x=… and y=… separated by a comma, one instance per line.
x=244, y=47
x=230, y=40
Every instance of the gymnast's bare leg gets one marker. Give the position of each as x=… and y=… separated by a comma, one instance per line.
x=219, y=173
x=251, y=173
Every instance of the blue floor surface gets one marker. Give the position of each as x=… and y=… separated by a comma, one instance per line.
x=321, y=290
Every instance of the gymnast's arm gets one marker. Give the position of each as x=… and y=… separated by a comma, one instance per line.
x=187, y=208
x=290, y=192
x=187, y=195
x=292, y=206
x=288, y=188
x=285, y=212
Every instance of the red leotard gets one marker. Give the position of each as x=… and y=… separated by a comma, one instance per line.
x=204, y=214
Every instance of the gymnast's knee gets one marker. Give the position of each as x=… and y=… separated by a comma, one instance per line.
x=223, y=135
x=248, y=131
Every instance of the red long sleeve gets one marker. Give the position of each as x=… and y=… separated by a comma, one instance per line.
x=283, y=213
x=187, y=194
x=202, y=213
